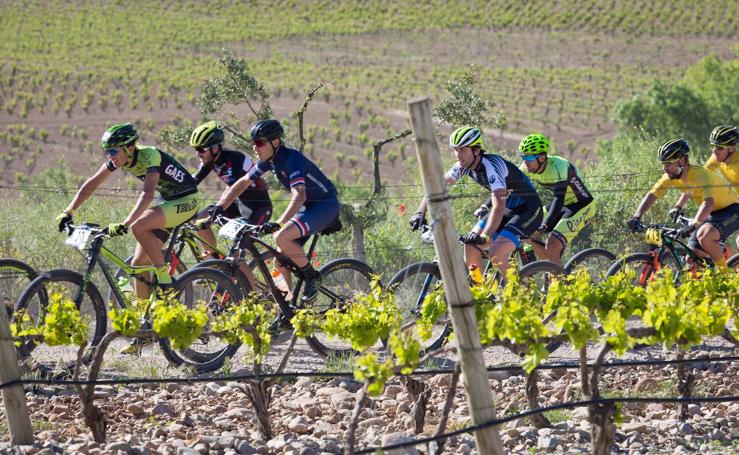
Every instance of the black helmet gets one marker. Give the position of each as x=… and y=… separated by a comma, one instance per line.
x=206, y=135
x=672, y=150
x=724, y=136
x=267, y=129
x=121, y=135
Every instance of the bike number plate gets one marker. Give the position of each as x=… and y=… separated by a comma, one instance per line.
x=653, y=237
x=79, y=238
x=231, y=229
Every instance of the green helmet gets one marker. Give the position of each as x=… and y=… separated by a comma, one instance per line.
x=206, y=135
x=120, y=135
x=466, y=136
x=723, y=136
x=534, y=144
x=672, y=150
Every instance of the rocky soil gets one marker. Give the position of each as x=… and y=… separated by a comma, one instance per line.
x=311, y=416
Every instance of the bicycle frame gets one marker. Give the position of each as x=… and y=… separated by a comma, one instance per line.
x=187, y=237
x=669, y=242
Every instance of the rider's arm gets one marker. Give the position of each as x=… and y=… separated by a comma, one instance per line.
x=497, y=210
x=88, y=188
x=200, y=174
x=145, y=198
x=682, y=200
x=424, y=202
x=296, y=202
x=559, y=189
x=704, y=211
x=645, y=204
x=234, y=191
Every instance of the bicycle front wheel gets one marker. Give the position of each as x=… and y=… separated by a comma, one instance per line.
x=643, y=265
x=595, y=260
x=217, y=292
x=411, y=285
x=15, y=276
x=33, y=303
x=341, y=280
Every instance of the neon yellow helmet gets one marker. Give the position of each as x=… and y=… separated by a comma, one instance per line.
x=206, y=135
x=534, y=144
x=466, y=136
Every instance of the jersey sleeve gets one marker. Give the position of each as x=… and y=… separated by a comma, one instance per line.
x=712, y=164
x=660, y=188
x=200, y=174
x=151, y=160
x=497, y=175
x=248, y=164
x=454, y=173
x=259, y=170
x=111, y=166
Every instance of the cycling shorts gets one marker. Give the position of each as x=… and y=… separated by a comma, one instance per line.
x=726, y=221
x=517, y=224
x=260, y=215
x=316, y=216
x=571, y=220
x=179, y=210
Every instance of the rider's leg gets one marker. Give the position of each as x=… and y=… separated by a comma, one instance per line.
x=286, y=240
x=708, y=239
x=140, y=259
x=539, y=246
x=500, y=253
x=143, y=230
x=554, y=249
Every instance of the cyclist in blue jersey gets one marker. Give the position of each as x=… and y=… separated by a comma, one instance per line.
x=515, y=212
x=314, y=203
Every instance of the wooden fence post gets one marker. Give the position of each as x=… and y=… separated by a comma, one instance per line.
x=454, y=275
x=14, y=399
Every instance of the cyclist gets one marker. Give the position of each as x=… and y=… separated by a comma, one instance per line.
x=314, y=204
x=254, y=204
x=718, y=212
x=572, y=207
x=515, y=211
x=160, y=173
x=723, y=158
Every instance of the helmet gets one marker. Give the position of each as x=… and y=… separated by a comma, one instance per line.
x=672, y=150
x=466, y=136
x=206, y=135
x=119, y=136
x=267, y=129
x=724, y=135
x=534, y=144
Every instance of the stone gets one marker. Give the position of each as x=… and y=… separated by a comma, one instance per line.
x=116, y=446
x=639, y=427
x=135, y=409
x=299, y=425
x=162, y=409
x=244, y=448
x=685, y=428
x=397, y=438
x=187, y=451
x=547, y=442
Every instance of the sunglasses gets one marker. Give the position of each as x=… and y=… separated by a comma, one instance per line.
x=111, y=152
x=530, y=157
x=204, y=149
x=259, y=142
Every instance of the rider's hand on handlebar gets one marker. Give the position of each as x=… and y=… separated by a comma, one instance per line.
x=214, y=211
x=634, y=223
x=62, y=220
x=202, y=223
x=268, y=228
x=417, y=220
x=482, y=212
x=675, y=213
x=116, y=229
x=473, y=238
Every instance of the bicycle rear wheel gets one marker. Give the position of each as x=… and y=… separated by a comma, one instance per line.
x=411, y=285
x=643, y=266
x=33, y=303
x=217, y=292
x=595, y=260
x=539, y=275
x=341, y=280
x=15, y=276
x=119, y=273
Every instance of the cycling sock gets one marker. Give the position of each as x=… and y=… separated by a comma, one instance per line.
x=721, y=264
x=163, y=276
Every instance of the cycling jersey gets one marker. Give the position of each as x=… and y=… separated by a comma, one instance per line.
x=730, y=169
x=561, y=177
x=174, y=180
x=292, y=168
x=231, y=165
x=495, y=173
x=699, y=185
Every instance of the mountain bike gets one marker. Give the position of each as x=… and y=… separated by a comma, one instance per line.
x=195, y=286
x=414, y=282
x=341, y=279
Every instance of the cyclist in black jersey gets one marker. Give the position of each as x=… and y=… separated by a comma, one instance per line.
x=160, y=173
x=516, y=210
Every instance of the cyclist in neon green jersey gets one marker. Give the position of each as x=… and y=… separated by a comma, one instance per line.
x=573, y=206
x=159, y=173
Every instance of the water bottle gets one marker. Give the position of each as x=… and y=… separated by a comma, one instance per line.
x=527, y=253
x=280, y=282
x=475, y=274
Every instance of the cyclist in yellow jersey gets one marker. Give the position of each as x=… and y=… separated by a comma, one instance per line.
x=718, y=211
x=724, y=159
